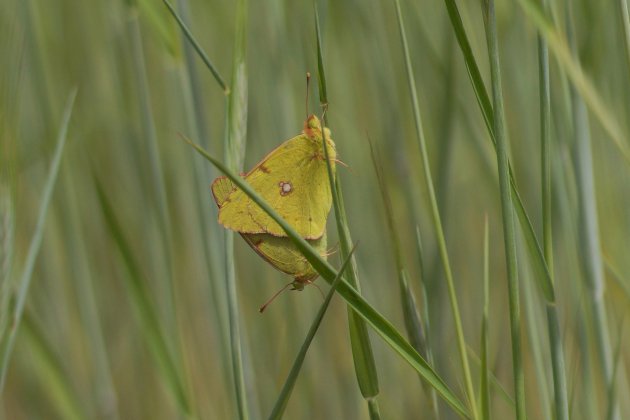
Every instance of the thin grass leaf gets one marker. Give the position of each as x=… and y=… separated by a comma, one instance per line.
x=425, y=317
x=364, y=364
x=144, y=308
x=561, y=404
x=283, y=399
x=53, y=377
x=492, y=379
x=235, y=144
x=537, y=259
x=202, y=54
x=381, y=325
x=509, y=234
x=611, y=391
x=570, y=64
x=588, y=225
x=625, y=21
x=484, y=389
x=102, y=386
x=36, y=242
x=7, y=254
x=411, y=313
x=435, y=214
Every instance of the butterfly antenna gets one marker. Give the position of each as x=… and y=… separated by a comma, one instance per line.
x=262, y=308
x=308, y=84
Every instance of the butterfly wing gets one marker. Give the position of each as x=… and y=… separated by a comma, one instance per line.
x=293, y=179
x=279, y=252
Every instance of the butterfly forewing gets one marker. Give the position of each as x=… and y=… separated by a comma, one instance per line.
x=293, y=179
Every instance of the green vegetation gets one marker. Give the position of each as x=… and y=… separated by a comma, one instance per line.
x=479, y=231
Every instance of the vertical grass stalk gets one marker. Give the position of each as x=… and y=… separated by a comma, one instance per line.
x=588, y=228
x=234, y=156
x=561, y=404
x=484, y=388
x=435, y=213
x=509, y=234
x=363, y=356
x=36, y=242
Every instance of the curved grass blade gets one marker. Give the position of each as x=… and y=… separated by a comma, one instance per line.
x=570, y=64
x=55, y=381
x=235, y=143
x=287, y=388
x=509, y=234
x=380, y=324
x=144, y=308
x=197, y=47
x=437, y=221
x=561, y=404
x=484, y=389
x=36, y=241
x=535, y=251
x=364, y=364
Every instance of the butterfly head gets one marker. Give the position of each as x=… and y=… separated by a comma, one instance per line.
x=313, y=129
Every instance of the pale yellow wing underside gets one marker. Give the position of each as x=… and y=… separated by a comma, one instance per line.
x=293, y=179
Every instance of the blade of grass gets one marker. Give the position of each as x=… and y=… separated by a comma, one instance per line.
x=197, y=47
x=234, y=156
x=36, y=241
x=411, y=313
x=612, y=387
x=53, y=378
x=581, y=83
x=509, y=234
x=484, y=390
x=437, y=222
x=104, y=391
x=625, y=21
x=364, y=364
x=425, y=317
x=561, y=403
x=144, y=308
x=588, y=225
x=7, y=254
x=537, y=259
x=283, y=399
x=381, y=325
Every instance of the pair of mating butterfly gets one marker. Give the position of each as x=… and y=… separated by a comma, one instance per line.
x=293, y=179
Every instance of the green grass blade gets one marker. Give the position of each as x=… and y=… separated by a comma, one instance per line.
x=54, y=379
x=425, y=317
x=144, y=308
x=283, y=399
x=509, y=234
x=381, y=325
x=197, y=47
x=612, y=386
x=588, y=229
x=484, y=389
x=625, y=21
x=435, y=214
x=569, y=63
x=364, y=364
x=535, y=251
x=235, y=155
x=36, y=241
x=411, y=313
x=561, y=404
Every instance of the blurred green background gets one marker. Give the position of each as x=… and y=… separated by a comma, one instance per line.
x=82, y=350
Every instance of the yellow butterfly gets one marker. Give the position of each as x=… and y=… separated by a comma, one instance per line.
x=293, y=179
x=278, y=251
